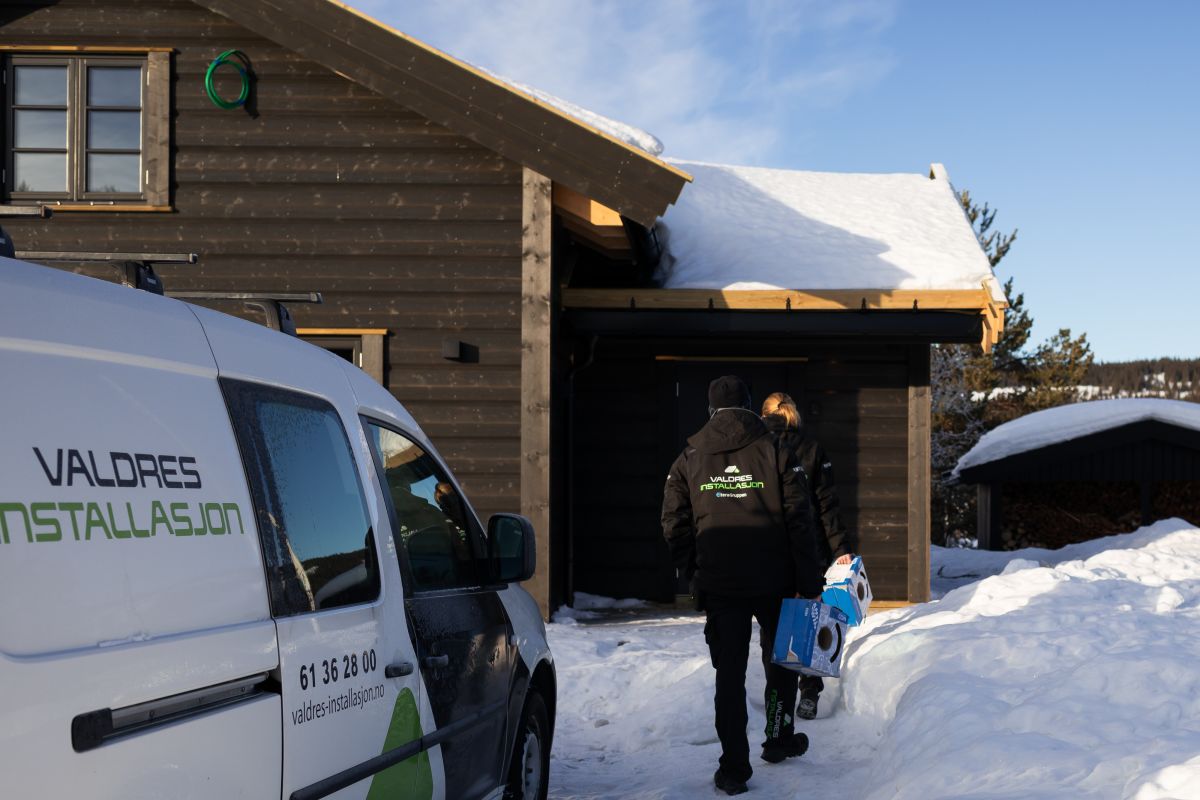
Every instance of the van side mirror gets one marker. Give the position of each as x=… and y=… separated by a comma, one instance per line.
x=512, y=548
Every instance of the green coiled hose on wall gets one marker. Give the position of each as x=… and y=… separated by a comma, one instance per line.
x=243, y=68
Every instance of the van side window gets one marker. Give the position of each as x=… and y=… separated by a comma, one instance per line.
x=317, y=541
x=433, y=524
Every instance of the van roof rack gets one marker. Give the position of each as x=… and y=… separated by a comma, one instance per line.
x=270, y=303
x=142, y=258
x=135, y=269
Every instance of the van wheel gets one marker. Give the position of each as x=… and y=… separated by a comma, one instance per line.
x=529, y=773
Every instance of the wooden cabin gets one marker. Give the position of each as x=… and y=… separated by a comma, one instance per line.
x=1082, y=471
x=487, y=257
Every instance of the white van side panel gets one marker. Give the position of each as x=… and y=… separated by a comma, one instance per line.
x=121, y=519
x=129, y=561
x=172, y=550
x=230, y=752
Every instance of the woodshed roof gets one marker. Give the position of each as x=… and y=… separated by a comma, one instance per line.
x=466, y=100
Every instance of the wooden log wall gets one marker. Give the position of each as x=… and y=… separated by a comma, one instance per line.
x=328, y=187
x=862, y=421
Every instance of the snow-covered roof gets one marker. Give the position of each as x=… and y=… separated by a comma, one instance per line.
x=1064, y=423
x=757, y=228
x=623, y=132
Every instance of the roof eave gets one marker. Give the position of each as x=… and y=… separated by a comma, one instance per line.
x=465, y=100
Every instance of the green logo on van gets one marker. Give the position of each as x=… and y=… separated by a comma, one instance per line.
x=413, y=777
x=82, y=522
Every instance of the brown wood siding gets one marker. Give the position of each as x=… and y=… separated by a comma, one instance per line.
x=856, y=404
x=400, y=223
x=855, y=399
x=466, y=100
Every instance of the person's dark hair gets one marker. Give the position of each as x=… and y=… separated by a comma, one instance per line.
x=779, y=404
x=727, y=391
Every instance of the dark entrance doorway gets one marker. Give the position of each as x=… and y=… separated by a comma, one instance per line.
x=633, y=411
x=687, y=382
x=691, y=377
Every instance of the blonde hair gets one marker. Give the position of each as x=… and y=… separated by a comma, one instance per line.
x=779, y=404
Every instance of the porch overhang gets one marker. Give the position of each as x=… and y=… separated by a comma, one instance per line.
x=951, y=316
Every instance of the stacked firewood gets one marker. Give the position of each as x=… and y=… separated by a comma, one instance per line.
x=1177, y=499
x=1051, y=515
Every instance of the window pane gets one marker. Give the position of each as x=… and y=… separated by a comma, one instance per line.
x=117, y=130
x=317, y=538
x=113, y=173
x=41, y=129
x=40, y=172
x=40, y=86
x=432, y=521
x=114, y=86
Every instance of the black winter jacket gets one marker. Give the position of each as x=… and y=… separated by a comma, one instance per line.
x=832, y=538
x=735, y=512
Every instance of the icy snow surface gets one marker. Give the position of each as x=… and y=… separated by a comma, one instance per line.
x=1060, y=674
x=757, y=228
x=1072, y=422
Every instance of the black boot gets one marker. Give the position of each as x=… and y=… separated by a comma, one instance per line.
x=776, y=750
x=807, y=707
x=729, y=784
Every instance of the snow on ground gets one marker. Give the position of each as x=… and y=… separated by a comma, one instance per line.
x=756, y=228
x=1057, y=674
x=1074, y=421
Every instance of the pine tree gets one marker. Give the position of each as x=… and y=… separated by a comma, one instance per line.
x=963, y=386
x=973, y=392
x=1059, y=365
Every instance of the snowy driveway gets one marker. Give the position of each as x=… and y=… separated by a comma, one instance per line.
x=1075, y=678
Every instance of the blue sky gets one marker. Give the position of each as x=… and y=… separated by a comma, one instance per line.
x=1079, y=121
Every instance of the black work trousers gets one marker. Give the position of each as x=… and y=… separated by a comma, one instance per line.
x=811, y=683
x=727, y=631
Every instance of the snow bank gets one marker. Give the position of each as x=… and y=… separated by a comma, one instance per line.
x=755, y=228
x=1074, y=421
x=1073, y=674
x=591, y=606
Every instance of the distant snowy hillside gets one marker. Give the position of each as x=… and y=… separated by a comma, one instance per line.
x=1059, y=674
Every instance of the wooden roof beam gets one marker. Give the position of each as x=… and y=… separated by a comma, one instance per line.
x=782, y=299
x=584, y=208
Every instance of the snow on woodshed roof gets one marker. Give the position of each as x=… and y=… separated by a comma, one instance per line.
x=1064, y=423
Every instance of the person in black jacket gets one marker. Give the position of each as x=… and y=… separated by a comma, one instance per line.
x=736, y=518
x=834, y=542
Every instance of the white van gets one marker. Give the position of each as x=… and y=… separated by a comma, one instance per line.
x=232, y=566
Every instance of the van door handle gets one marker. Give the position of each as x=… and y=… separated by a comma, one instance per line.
x=436, y=661
x=398, y=670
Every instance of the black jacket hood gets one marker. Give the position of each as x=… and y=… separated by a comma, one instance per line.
x=729, y=429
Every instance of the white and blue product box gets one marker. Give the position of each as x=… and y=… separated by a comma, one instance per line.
x=847, y=588
x=810, y=638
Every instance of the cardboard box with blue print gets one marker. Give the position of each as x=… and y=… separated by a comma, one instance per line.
x=810, y=638
x=847, y=588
